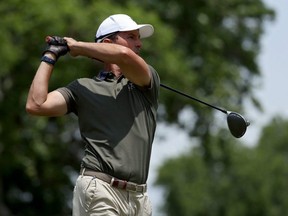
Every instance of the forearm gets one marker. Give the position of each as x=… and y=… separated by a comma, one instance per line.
x=131, y=64
x=108, y=53
x=39, y=88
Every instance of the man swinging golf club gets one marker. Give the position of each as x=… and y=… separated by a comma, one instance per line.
x=116, y=112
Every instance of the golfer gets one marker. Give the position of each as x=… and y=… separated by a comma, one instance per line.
x=116, y=112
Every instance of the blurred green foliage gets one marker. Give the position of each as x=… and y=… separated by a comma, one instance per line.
x=240, y=180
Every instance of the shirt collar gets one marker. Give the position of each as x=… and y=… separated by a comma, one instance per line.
x=108, y=76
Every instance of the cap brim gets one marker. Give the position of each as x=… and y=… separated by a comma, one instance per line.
x=145, y=30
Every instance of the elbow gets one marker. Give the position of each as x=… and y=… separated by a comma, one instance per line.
x=31, y=108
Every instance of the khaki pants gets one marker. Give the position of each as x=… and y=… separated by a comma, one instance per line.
x=93, y=197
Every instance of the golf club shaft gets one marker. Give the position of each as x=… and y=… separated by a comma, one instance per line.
x=193, y=98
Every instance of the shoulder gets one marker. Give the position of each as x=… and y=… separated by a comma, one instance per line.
x=76, y=85
x=155, y=79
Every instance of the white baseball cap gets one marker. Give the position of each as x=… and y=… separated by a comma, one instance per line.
x=120, y=23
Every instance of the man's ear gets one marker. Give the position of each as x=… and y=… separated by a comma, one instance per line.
x=107, y=40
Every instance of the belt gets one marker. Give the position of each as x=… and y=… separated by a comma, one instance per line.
x=114, y=182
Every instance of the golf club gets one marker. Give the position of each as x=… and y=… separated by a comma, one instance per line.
x=237, y=124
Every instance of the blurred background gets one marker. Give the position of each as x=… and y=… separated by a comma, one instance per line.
x=230, y=53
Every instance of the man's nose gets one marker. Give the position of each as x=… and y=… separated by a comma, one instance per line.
x=139, y=43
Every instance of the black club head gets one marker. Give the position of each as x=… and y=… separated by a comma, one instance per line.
x=237, y=124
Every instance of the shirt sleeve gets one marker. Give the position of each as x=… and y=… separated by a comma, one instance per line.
x=70, y=97
x=152, y=93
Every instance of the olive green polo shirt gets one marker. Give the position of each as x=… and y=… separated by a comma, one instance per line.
x=117, y=121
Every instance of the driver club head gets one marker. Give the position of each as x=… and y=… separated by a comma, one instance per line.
x=237, y=124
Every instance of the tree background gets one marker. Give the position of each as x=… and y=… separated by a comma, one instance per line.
x=208, y=48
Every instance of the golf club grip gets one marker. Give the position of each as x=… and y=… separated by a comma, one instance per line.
x=193, y=98
x=55, y=40
x=49, y=39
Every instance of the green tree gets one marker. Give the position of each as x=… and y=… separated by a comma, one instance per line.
x=205, y=47
x=34, y=151
x=221, y=42
x=250, y=181
x=40, y=157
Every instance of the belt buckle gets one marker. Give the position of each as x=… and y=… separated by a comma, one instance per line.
x=132, y=187
x=136, y=188
x=142, y=188
x=129, y=186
